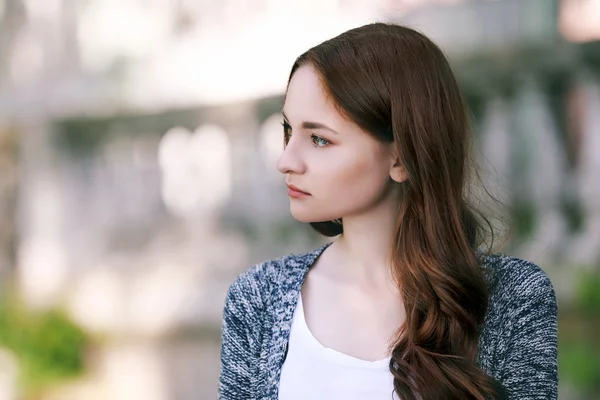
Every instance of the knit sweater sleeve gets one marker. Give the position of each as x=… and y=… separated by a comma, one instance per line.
x=530, y=330
x=240, y=337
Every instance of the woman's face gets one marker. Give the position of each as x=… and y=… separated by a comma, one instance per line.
x=344, y=170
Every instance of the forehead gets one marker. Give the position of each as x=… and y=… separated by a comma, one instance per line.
x=306, y=96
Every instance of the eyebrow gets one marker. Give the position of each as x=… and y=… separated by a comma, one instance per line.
x=311, y=124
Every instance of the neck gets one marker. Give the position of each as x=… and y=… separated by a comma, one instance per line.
x=364, y=249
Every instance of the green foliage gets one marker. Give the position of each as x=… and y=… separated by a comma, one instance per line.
x=579, y=347
x=81, y=137
x=579, y=363
x=523, y=219
x=588, y=293
x=48, y=346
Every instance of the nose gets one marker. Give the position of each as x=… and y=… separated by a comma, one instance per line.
x=290, y=160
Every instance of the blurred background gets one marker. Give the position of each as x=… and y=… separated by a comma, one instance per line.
x=138, y=141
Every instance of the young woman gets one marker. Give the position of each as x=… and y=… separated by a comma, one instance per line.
x=403, y=304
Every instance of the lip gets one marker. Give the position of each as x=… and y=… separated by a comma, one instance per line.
x=295, y=192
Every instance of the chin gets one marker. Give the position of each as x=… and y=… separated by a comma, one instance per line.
x=305, y=216
x=301, y=217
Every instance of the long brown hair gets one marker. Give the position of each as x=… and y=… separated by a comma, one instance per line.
x=396, y=84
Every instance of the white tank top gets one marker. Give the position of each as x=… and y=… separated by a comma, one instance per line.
x=313, y=371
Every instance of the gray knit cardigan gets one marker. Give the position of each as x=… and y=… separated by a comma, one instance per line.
x=517, y=343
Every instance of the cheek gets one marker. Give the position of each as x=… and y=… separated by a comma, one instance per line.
x=359, y=176
x=351, y=183
x=342, y=183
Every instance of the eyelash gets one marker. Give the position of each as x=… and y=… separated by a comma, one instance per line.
x=286, y=136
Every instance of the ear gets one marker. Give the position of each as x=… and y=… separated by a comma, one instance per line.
x=397, y=171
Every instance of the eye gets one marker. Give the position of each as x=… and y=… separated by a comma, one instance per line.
x=287, y=132
x=319, y=141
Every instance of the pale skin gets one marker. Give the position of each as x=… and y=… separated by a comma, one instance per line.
x=351, y=302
